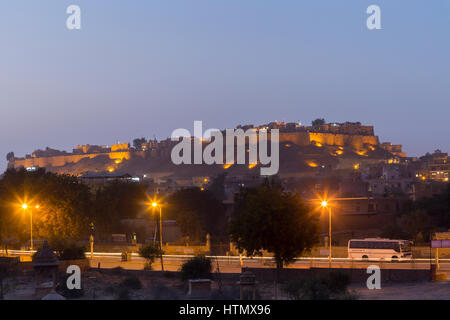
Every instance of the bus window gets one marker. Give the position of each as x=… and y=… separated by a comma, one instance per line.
x=406, y=247
x=396, y=246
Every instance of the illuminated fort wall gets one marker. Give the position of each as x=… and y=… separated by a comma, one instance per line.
x=59, y=161
x=330, y=139
x=298, y=138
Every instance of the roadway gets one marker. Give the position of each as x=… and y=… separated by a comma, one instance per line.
x=233, y=264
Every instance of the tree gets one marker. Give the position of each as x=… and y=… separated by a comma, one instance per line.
x=267, y=218
x=139, y=142
x=197, y=213
x=198, y=267
x=150, y=252
x=434, y=210
x=115, y=201
x=64, y=205
x=417, y=222
x=10, y=156
x=217, y=187
x=318, y=122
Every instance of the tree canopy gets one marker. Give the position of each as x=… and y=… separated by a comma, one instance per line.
x=318, y=122
x=115, y=201
x=138, y=142
x=421, y=218
x=197, y=213
x=267, y=218
x=64, y=205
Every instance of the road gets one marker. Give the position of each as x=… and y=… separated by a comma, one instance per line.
x=233, y=264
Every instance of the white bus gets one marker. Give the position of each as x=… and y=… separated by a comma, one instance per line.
x=379, y=249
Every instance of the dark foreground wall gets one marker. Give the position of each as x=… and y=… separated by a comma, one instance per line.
x=356, y=275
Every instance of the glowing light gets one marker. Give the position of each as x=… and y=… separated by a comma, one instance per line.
x=362, y=153
x=154, y=204
x=24, y=206
x=339, y=152
x=227, y=165
x=252, y=165
x=37, y=206
x=312, y=164
x=356, y=166
x=324, y=204
x=110, y=169
x=117, y=161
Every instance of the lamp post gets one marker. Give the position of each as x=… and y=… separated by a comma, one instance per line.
x=25, y=207
x=91, y=240
x=154, y=205
x=324, y=204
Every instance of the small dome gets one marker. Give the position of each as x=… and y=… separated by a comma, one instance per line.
x=53, y=296
x=45, y=257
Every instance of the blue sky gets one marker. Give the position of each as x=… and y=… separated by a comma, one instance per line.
x=146, y=67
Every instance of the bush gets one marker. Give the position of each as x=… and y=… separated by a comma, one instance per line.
x=72, y=253
x=150, y=252
x=310, y=289
x=132, y=282
x=67, y=250
x=333, y=286
x=196, y=268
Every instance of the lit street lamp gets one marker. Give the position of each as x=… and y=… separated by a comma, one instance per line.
x=324, y=204
x=25, y=207
x=154, y=205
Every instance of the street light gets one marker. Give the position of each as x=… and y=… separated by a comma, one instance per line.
x=154, y=205
x=26, y=207
x=324, y=204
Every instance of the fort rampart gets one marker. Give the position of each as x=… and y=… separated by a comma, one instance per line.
x=123, y=152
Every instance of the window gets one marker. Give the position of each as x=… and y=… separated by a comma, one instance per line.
x=380, y=245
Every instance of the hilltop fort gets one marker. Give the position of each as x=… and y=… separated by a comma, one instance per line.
x=327, y=146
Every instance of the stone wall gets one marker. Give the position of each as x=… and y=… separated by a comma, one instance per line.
x=356, y=275
x=59, y=161
x=120, y=152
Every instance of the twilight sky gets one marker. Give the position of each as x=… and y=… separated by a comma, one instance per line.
x=146, y=67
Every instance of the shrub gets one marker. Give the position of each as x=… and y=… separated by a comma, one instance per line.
x=311, y=289
x=67, y=250
x=72, y=252
x=333, y=286
x=315, y=290
x=132, y=282
x=196, y=268
x=150, y=252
